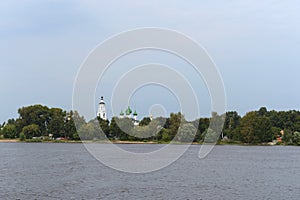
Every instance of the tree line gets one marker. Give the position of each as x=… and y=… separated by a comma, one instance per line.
x=255, y=127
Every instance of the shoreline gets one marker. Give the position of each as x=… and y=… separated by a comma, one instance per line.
x=133, y=142
x=8, y=140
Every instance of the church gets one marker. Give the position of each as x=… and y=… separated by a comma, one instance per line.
x=101, y=109
x=128, y=113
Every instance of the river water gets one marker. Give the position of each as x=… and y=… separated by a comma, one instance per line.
x=68, y=171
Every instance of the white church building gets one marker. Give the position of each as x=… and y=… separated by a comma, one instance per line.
x=128, y=113
x=101, y=109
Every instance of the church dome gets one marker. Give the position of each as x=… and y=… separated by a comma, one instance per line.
x=128, y=111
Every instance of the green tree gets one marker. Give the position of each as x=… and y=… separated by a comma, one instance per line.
x=216, y=124
x=255, y=128
x=232, y=122
x=288, y=137
x=263, y=128
x=150, y=131
x=126, y=127
x=90, y=131
x=10, y=131
x=174, y=123
x=186, y=133
x=104, y=125
x=84, y=132
x=202, y=124
x=120, y=128
x=35, y=114
x=31, y=130
x=74, y=124
x=275, y=132
x=78, y=120
x=114, y=130
x=22, y=136
x=165, y=135
x=145, y=121
x=57, y=121
x=262, y=111
x=296, y=138
x=297, y=123
x=69, y=127
x=211, y=136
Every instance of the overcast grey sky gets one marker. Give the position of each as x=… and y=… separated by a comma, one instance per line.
x=254, y=43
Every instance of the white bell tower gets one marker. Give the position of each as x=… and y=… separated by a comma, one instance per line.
x=101, y=109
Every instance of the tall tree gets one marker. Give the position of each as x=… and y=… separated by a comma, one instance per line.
x=186, y=133
x=35, y=114
x=232, y=122
x=175, y=121
x=104, y=125
x=255, y=128
x=145, y=121
x=56, y=125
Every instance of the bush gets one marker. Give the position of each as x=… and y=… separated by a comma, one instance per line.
x=22, y=136
x=35, y=140
x=9, y=131
x=47, y=139
x=31, y=130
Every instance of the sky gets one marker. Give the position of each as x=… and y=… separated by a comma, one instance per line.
x=255, y=45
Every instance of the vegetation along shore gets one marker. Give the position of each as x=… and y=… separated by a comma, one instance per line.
x=38, y=123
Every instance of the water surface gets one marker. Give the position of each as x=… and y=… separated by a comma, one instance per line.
x=68, y=171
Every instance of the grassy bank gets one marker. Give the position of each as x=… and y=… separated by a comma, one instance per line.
x=130, y=142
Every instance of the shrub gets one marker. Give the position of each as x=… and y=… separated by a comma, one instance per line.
x=22, y=136
x=31, y=130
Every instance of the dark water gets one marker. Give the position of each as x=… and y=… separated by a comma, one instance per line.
x=67, y=171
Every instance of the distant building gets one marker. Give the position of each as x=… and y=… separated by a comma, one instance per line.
x=128, y=114
x=101, y=109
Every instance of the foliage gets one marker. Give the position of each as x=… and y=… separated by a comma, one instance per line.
x=174, y=122
x=31, y=130
x=259, y=126
x=22, y=136
x=145, y=121
x=255, y=128
x=104, y=125
x=210, y=136
x=36, y=114
x=165, y=135
x=35, y=140
x=296, y=138
x=10, y=131
x=186, y=133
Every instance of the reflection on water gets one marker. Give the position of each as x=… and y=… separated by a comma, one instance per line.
x=68, y=171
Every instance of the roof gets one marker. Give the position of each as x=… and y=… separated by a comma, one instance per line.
x=128, y=111
x=101, y=101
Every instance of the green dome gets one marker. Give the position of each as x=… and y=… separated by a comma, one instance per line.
x=121, y=113
x=128, y=111
x=135, y=113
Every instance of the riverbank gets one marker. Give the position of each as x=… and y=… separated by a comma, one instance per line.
x=131, y=142
x=9, y=140
x=76, y=141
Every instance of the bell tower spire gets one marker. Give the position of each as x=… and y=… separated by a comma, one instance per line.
x=101, y=109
